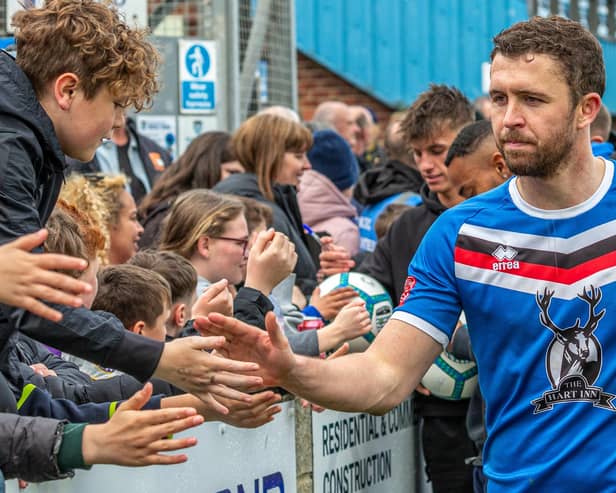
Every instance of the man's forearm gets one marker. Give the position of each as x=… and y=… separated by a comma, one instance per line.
x=373, y=381
x=353, y=383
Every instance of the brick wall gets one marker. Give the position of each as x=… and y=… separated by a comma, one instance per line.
x=317, y=84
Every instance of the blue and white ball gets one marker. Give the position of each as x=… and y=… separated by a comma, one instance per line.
x=451, y=378
x=378, y=302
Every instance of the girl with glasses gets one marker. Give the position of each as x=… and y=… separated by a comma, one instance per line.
x=210, y=230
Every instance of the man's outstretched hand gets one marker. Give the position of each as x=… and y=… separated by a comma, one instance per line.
x=187, y=363
x=269, y=349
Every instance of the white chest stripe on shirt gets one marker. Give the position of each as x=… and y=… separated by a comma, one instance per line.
x=507, y=280
x=538, y=242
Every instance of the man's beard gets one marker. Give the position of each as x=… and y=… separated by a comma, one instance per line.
x=547, y=159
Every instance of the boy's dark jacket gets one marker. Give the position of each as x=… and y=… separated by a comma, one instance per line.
x=70, y=383
x=32, y=170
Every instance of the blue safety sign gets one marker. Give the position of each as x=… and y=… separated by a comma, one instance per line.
x=197, y=76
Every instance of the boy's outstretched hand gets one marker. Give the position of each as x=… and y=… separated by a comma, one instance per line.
x=270, y=350
x=28, y=277
x=133, y=437
x=260, y=411
x=216, y=298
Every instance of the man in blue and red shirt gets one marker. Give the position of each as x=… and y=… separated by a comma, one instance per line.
x=531, y=263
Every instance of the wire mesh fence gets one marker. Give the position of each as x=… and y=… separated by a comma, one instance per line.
x=267, y=49
x=187, y=18
x=3, y=27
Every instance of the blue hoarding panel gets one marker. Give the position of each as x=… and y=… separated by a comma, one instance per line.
x=331, y=34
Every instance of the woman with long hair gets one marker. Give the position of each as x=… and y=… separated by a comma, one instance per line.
x=208, y=159
x=273, y=150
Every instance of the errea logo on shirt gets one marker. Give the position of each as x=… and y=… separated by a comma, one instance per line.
x=505, y=256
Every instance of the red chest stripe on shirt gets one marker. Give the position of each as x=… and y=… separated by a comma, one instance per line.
x=535, y=271
x=542, y=250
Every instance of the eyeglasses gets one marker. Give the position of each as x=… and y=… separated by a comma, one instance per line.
x=243, y=242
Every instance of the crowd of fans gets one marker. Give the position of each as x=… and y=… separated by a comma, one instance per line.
x=138, y=247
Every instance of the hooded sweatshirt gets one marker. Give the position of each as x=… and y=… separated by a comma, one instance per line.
x=31, y=173
x=392, y=178
x=395, y=182
x=325, y=209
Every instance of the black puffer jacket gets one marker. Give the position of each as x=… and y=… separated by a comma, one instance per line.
x=30, y=448
x=153, y=224
x=287, y=220
x=31, y=173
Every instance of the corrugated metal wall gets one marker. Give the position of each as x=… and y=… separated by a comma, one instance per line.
x=395, y=48
x=609, y=54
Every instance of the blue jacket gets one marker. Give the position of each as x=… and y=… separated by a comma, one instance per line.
x=37, y=402
x=378, y=187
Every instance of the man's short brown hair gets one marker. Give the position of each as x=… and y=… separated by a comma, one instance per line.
x=177, y=271
x=87, y=38
x=567, y=42
x=132, y=294
x=434, y=110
